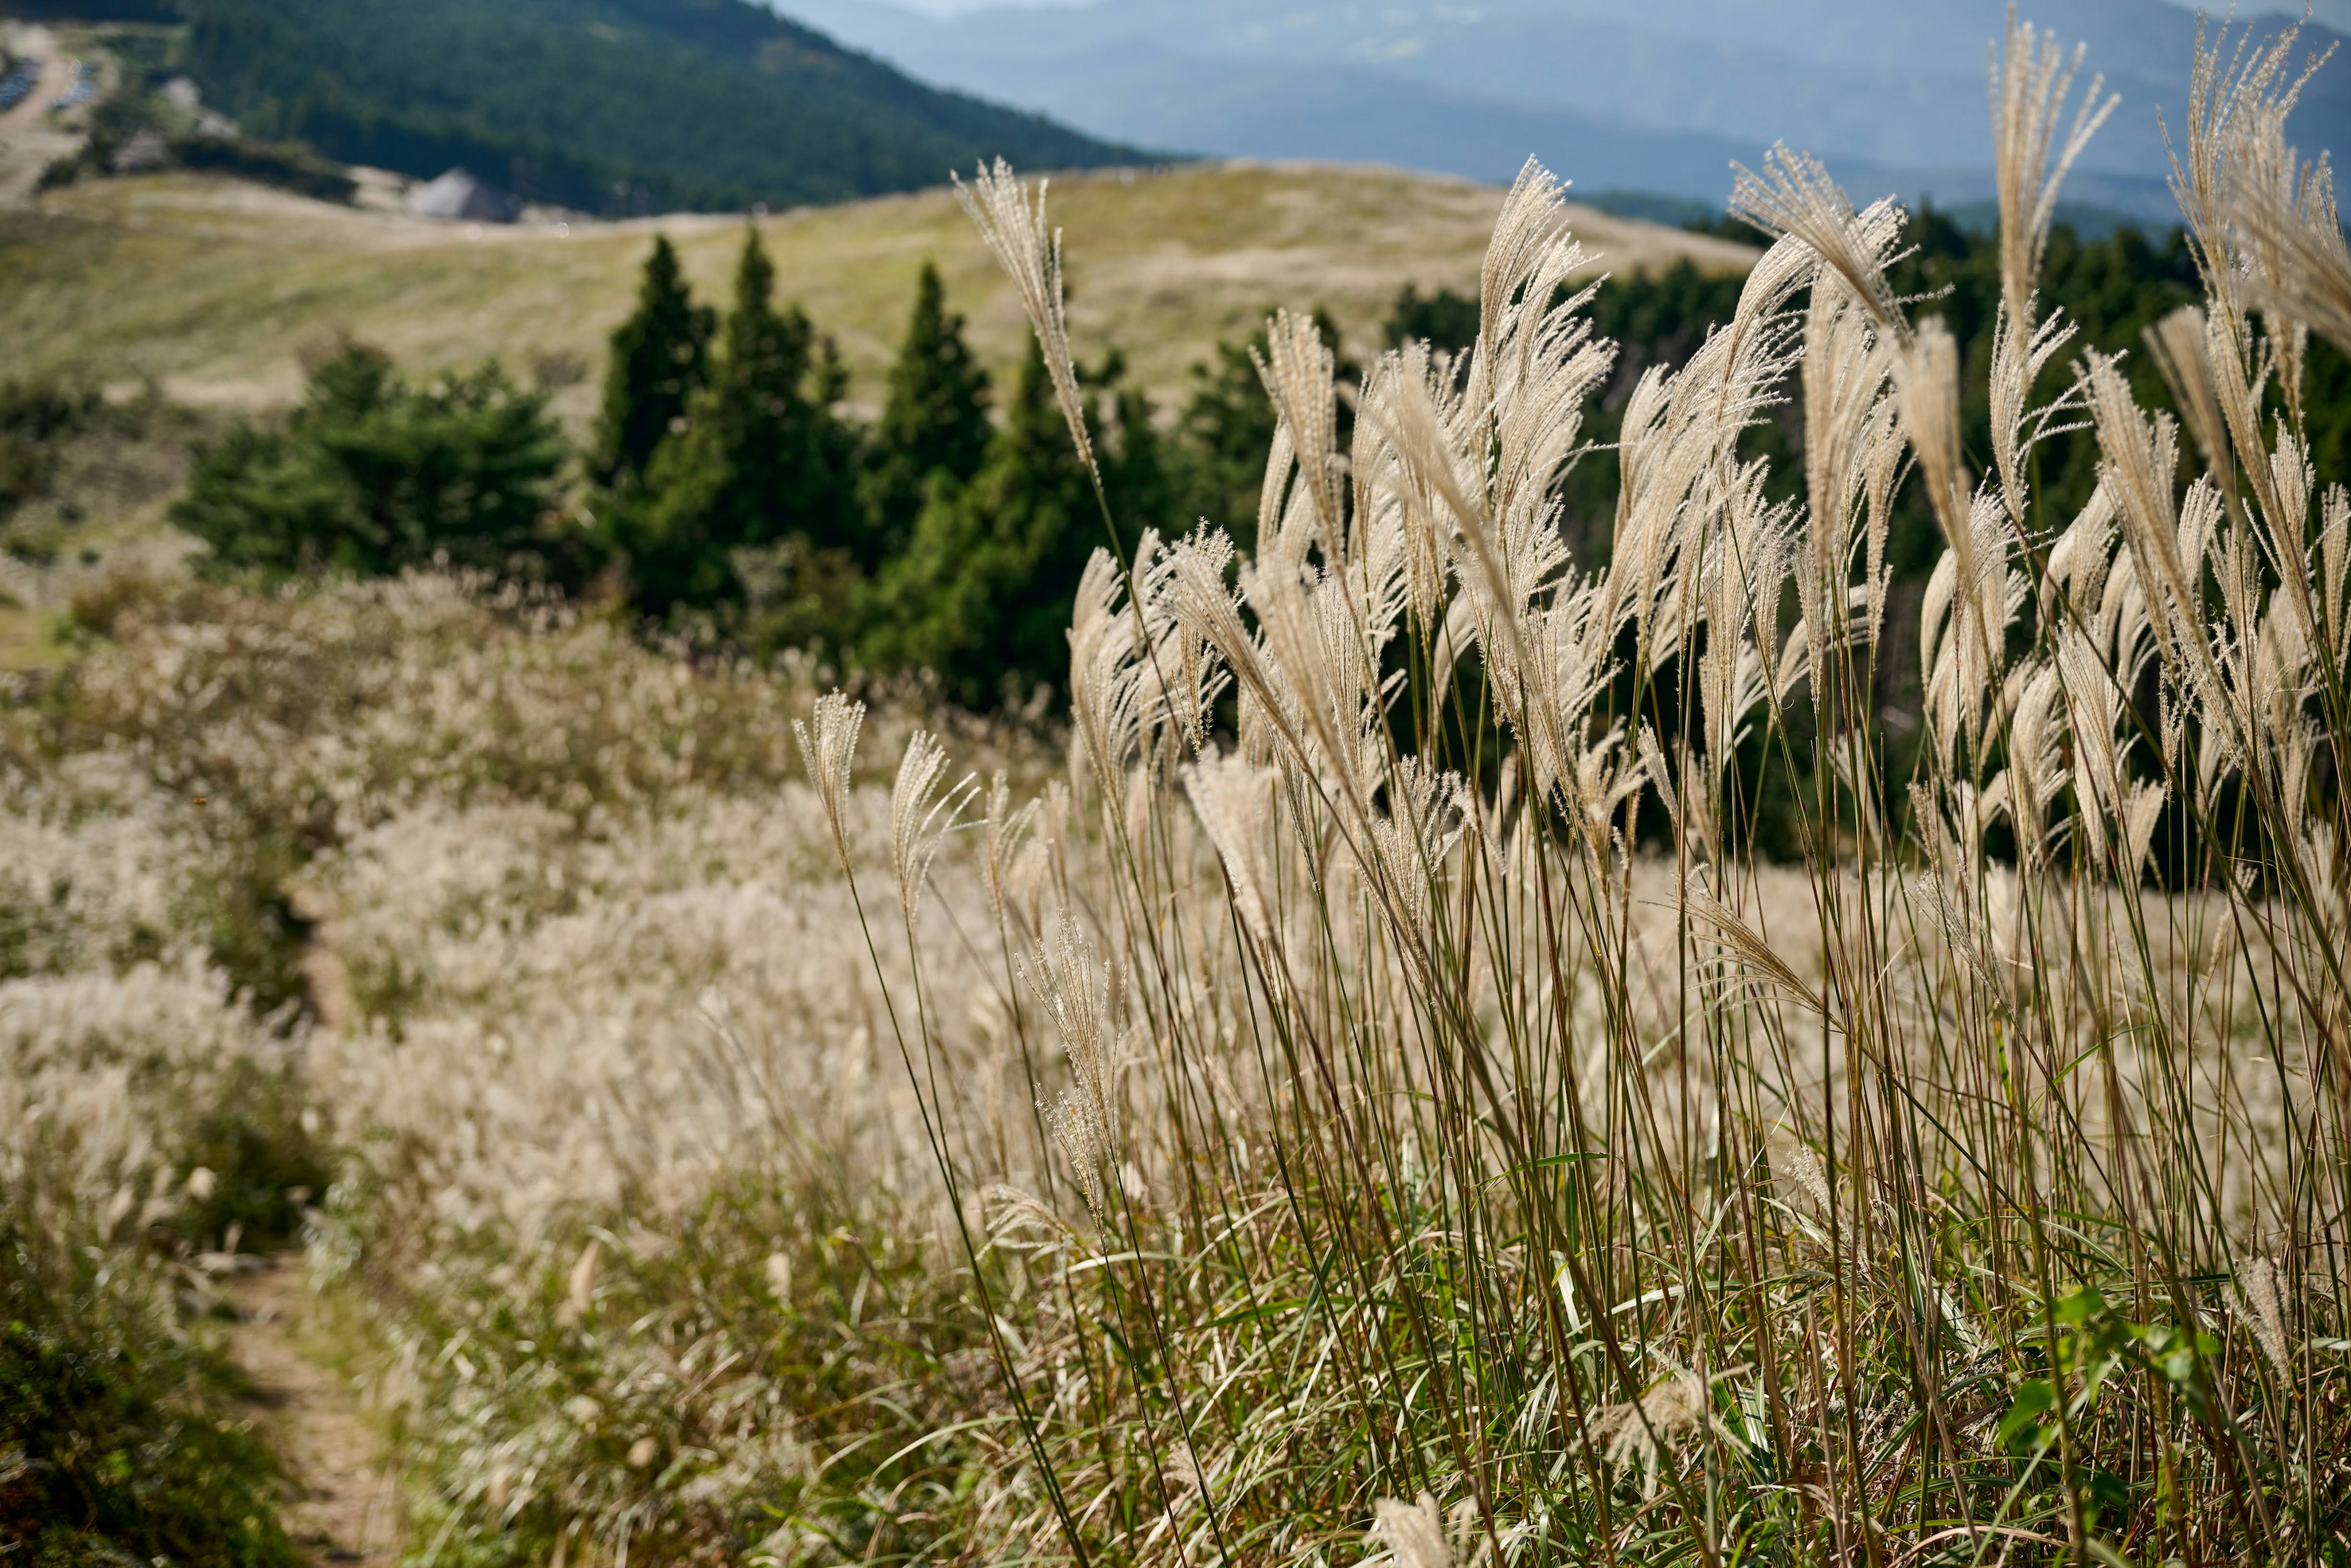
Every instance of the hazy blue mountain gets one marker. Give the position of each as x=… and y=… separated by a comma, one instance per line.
x=1650, y=94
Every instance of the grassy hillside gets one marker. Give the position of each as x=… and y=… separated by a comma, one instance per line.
x=213, y=288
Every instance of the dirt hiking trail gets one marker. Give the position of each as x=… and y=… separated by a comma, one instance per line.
x=342, y=1505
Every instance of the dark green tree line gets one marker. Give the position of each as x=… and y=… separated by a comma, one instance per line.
x=728, y=490
x=763, y=458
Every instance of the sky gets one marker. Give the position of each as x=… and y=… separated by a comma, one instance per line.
x=2336, y=14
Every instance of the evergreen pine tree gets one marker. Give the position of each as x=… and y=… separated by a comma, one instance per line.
x=935, y=422
x=763, y=460
x=660, y=359
x=1141, y=474
x=982, y=595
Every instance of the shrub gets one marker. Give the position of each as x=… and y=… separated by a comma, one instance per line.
x=371, y=475
x=115, y=1442
x=35, y=416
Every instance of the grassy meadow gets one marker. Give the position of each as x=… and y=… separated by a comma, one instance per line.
x=212, y=288
x=1348, y=1085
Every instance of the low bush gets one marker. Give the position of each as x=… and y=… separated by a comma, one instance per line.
x=371, y=475
x=118, y=1443
x=34, y=418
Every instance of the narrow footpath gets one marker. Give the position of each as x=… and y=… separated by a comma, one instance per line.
x=343, y=1503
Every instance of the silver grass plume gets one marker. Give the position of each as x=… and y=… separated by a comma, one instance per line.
x=1009, y=834
x=2018, y=358
x=2335, y=570
x=1388, y=487
x=1237, y=803
x=1927, y=383
x=1794, y=195
x=2029, y=89
x=2261, y=1304
x=829, y=750
x=2094, y=702
x=1427, y=809
x=1692, y=810
x=1743, y=574
x=1414, y=1533
x=1017, y=1215
x=1535, y=359
x=1678, y=454
x=2280, y=209
x=1847, y=421
x=1410, y=420
x=2240, y=385
x=1030, y=253
x=1273, y=492
x=1805, y=1171
x=2180, y=347
x=1143, y=680
x=1319, y=673
x=1105, y=695
x=1297, y=371
x=1203, y=607
x=1076, y=993
x=2222, y=98
x=1530, y=239
x=921, y=812
x=2036, y=757
x=1645, y=1428
x=1957, y=928
x=1749, y=962
x=2138, y=454
x=1963, y=619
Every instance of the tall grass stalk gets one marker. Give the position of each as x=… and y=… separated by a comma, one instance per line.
x=1439, y=1097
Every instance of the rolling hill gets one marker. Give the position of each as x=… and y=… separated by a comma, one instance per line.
x=213, y=288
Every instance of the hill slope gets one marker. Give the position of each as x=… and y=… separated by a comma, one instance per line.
x=214, y=289
x=606, y=106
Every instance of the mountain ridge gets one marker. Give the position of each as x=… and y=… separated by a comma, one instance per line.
x=606, y=106
x=1655, y=95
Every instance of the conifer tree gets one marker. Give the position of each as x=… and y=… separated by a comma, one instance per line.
x=763, y=460
x=935, y=422
x=982, y=595
x=1141, y=475
x=661, y=357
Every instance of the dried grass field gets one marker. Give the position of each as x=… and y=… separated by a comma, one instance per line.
x=1354, y=1092
x=212, y=287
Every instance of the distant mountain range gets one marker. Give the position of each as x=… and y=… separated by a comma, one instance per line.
x=610, y=106
x=1656, y=96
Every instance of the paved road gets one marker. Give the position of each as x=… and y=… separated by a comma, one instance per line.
x=40, y=45
x=29, y=138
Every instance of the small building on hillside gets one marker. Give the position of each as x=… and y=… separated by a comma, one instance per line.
x=458, y=195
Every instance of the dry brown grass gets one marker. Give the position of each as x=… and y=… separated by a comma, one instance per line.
x=213, y=287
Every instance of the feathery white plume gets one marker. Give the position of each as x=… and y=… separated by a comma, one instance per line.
x=1030, y=251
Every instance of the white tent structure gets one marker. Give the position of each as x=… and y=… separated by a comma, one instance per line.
x=458, y=195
